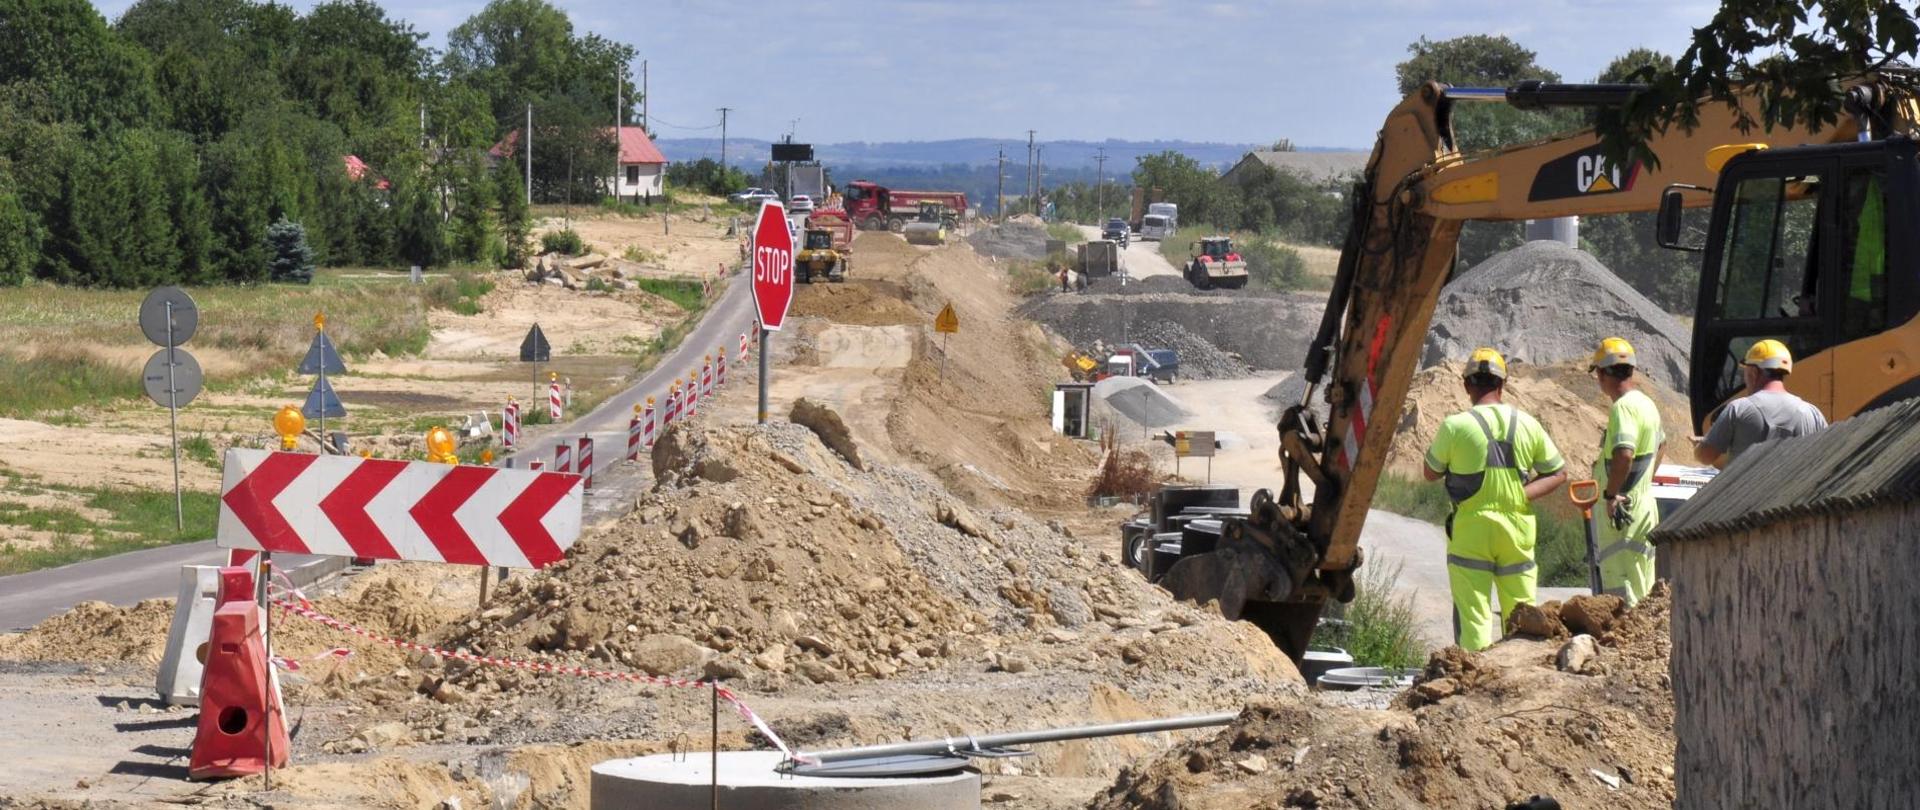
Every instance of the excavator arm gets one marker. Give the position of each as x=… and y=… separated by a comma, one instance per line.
x=1278, y=567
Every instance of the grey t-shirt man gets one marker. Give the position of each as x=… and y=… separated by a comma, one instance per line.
x=1759, y=417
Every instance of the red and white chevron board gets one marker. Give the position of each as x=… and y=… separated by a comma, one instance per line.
x=300, y=503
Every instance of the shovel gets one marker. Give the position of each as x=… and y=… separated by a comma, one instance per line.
x=1585, y=494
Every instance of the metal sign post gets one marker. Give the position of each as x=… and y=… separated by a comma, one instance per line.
x=168, y=317
x=946, y=323
x=772, y=281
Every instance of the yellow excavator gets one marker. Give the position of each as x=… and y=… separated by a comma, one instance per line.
x=1813, y=239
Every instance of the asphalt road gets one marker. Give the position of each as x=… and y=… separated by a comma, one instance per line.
x=123, y=579
x=720, y=327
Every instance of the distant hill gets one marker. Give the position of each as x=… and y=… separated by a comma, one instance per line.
x=1067, y=155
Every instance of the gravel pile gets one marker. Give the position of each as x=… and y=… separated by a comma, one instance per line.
x=1199, y=358
x=1543, y=303
x=1015, y=239
x=1140, y=401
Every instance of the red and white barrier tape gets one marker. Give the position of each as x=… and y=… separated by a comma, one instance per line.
x=294, y=665
x=305, y=611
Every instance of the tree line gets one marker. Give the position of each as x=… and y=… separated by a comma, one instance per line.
x=163, y=146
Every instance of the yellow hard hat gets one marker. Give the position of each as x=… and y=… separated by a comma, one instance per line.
x=1486, y=361
x=1770, y=354
x=1613, y=352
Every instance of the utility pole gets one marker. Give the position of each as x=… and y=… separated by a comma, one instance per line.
x=619, y=120
x=1000, y=189
x=1039, y=179
x=529, y=145
x=1031, y=177
x=1100, y=185
x=644, y=95
x=723, y=138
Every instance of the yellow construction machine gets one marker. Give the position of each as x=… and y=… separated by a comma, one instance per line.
x=1813, y=239
x=819, y=258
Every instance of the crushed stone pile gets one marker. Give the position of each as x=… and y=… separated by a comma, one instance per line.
x=1140, y=401
x=96, y=632
x=1522, y=718
x=1018, y=238
x=1544, y=302
x=1263, y=332
x=1199, y=358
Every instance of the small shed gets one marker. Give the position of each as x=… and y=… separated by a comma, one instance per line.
x=1796, y=622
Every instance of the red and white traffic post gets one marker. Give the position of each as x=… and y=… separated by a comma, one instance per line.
x=743, y=347
x=720, y=367
x=772, y=281
x=510, y=425
x=586, y=462
x=692, y=404
x=553, y=397
x=648, y=419
x=634, y=429
x=706, y=377
x=562, y=457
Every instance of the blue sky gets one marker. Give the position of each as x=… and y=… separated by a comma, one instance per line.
x=1317, y=71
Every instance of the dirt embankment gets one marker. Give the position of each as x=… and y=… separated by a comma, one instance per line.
x=1478, y=730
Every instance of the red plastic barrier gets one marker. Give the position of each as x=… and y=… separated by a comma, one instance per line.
x=235, y=693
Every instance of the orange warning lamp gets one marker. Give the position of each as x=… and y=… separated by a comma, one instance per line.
x=486, y=456
x=319, y=321
x=440, y=446
x=289, y=424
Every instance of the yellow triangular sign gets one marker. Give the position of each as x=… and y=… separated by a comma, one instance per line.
x=946, y=321
x=1601, y=184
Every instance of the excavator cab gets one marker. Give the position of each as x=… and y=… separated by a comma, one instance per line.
x=1815, y=247
x=1216, y=248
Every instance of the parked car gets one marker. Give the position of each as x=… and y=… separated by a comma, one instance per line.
x=800, y=203
x=752, y=196
x=1116, y=230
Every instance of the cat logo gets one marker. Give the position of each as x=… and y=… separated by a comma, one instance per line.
x=1592, y=175
x=1584, y=172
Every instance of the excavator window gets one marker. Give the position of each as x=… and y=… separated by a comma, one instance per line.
x=1769, y=264
x=819, y=240
x=1863, y=248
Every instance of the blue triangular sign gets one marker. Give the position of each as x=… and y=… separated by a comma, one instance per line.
x=322, y=393
x=319, y=353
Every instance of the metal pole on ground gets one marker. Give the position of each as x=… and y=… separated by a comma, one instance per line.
x=713, y=750
x=763, y=376
x=266, y=673
x=173, y=425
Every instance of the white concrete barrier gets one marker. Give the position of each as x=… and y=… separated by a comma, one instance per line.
x=179, y=679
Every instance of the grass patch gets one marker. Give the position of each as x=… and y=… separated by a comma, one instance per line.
x=134, y=519
x=1028, y=277
x=199, y=448
x=1560, y=540
x=565, y=242
x=640, y=255
x=1066, y=232
x=59, y=378
x=686, y=295
x=1378, y=628
x=459, y=293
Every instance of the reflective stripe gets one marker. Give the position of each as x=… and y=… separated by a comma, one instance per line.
x=1626, y=545
x=1516, y=568
x=1489, y=567
x=1636, y=471
x=1471, y=563
x=1550, y=466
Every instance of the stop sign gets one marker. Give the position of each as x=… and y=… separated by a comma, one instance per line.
x=772, y=266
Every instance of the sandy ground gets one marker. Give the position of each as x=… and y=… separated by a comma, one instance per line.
x=686, y=245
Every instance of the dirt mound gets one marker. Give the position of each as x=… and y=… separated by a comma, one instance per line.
x=1018, y=238
x=1478, y=730
x=861, y=302
x=1199, y=358
x=1544, y=302
x=96, y=632
x=1140, y=401
x=1564, y=397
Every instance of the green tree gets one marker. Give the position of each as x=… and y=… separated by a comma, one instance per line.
x=1791, y=55
x=114, y=223
x=473, y=234
x=19, y=236
x=1183, y=181
x=78, y=68
x=418, y=236
x=706, y=176
x=215, y=61
x=292, y=258
x=516, y=225
x=516, y=51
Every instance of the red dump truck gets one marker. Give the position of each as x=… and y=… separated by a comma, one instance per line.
x=874, y=207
